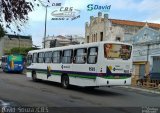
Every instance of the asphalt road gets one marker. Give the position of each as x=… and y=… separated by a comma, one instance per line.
x=18, y=90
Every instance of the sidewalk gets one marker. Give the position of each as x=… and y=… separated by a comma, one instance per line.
x=156, y=91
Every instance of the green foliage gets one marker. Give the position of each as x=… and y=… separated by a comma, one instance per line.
x=14, y=13
x=2, y=31
x=22, y=51
x=7, y=52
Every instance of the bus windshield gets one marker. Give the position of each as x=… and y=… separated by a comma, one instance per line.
x=15, y=58
x=119, y=51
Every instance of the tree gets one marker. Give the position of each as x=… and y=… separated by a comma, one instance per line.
x=22, y=51
x=14, y=12
x=2, y=31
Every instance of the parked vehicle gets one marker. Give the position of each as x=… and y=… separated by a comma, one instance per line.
x=12, y=63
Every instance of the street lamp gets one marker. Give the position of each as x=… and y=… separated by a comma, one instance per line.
x=45, y=25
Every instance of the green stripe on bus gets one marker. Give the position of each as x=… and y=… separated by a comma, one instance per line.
x=79, y=75
x=56, y=73
x=71, y=75
x=44, y=72
x=82, y=76
x=113, y=77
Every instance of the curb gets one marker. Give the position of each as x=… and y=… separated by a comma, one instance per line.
x=141, y=89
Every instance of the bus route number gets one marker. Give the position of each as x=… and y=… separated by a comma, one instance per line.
x=92, y=69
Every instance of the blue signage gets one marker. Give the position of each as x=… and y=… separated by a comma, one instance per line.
x=92, y=7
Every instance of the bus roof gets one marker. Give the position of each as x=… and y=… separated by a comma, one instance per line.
x=77, y=46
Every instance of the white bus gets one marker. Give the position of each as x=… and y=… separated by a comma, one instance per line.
x=87, y=65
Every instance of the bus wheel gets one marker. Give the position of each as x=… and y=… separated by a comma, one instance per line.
x=34, y=76
x=65, y=81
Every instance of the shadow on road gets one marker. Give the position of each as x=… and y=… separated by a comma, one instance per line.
x=1, y=70
x=11, y=73
x=96, y=91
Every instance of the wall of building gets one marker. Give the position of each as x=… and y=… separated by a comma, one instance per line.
x=7, y=43
x=94, y=29
x=59, y=41
x=110, y=31
x=112, y=28
x=1, y=46
x=146, y=44
x=14, y=42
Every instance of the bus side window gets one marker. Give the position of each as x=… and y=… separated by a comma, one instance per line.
x=29, y=59
x=56, y=56
x=67, y=56
x=40, y=57
x=48, y=56
x=92, y=55
x=80, y=56
x=35, y=58
x=4, y=59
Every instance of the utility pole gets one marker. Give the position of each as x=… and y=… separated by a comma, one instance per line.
x=45, y=26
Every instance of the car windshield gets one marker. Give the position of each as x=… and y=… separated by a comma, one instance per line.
x=119, y=51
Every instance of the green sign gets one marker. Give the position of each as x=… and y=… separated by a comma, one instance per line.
x=15, y=58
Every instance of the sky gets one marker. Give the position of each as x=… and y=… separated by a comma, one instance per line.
x=135, y=10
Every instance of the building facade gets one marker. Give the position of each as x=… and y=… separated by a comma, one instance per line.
x=58, y=41
x=146, y=52
x=103, y=29
x=11, y=41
